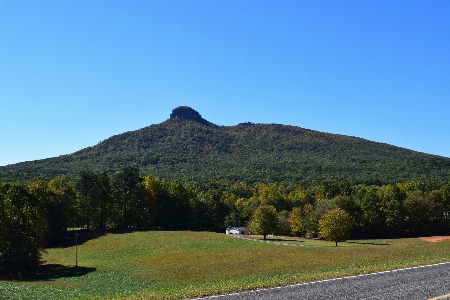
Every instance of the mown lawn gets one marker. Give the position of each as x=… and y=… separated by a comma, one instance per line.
x=174, y=265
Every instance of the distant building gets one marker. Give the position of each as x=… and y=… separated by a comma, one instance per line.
x=236, y=230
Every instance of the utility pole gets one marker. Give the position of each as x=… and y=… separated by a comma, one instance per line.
x=76, y=248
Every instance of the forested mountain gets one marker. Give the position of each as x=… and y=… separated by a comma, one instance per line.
x=188, y=147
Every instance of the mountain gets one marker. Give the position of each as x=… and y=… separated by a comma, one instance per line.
x=186, y=146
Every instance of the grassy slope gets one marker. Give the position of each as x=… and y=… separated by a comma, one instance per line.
x=170, y=265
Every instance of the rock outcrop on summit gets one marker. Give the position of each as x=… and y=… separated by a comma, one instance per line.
x=182, y=113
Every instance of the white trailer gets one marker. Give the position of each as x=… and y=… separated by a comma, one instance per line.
x=236, y=230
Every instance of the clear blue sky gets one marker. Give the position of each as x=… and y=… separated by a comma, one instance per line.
x=73, y=73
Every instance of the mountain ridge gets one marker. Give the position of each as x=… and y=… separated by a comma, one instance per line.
x=188, y=147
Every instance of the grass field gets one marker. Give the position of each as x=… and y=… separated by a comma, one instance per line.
x=174, y=265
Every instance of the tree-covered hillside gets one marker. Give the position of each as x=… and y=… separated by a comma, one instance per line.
x=188, y=147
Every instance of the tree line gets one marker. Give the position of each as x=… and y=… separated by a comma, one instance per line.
x=35, y=214
x=410, y=209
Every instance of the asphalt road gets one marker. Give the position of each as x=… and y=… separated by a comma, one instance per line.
x=427, y=282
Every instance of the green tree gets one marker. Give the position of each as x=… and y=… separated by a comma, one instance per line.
x=151, y=186
x=179, y=200
x=309, y=221
x=321, y=206
x=328, y=190
x=87, y=190
x=335, y=225
x=59, y=204
x=418, y=209
x=283, y=227
x=345, y=188
x=264, y=220
x=392, y=209
x=302, y=220
x=438, y=224
x=22, y=231
x=171, y=202
x=296, y=222
x=238, y=215
x=445, y=198
x=104, y=194
x=128, y=194
x=346, y=203
x=370, y=220
x=209, y=211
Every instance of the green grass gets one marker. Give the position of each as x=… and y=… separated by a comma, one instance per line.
x=174, y=265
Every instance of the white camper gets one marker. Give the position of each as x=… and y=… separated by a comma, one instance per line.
x=236, y=230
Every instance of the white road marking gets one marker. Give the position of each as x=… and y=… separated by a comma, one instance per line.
x=440, y=297
x=332, y=279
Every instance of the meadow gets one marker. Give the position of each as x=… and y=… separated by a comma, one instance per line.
x=183, y=264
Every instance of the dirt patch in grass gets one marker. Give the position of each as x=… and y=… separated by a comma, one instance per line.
x=54, y=283
x=42, y=283
x=434, y=239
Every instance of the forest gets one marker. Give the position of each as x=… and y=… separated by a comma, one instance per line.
x=188, y=148
x=43, y=211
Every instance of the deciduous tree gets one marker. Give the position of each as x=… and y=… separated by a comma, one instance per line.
x=302, y=220
x=128, y=194
x=60, y=205
x=264, y=220
x=335, y=225
x=22, y=231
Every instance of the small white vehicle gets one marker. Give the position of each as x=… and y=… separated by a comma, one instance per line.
x=236, y=230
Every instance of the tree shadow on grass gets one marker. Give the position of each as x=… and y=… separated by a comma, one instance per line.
x=46, y=272
x=368, y=243
x=72, y=238
x=79, y=237
x=283, y=240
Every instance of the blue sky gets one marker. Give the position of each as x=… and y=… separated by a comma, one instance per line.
x=73, y=73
